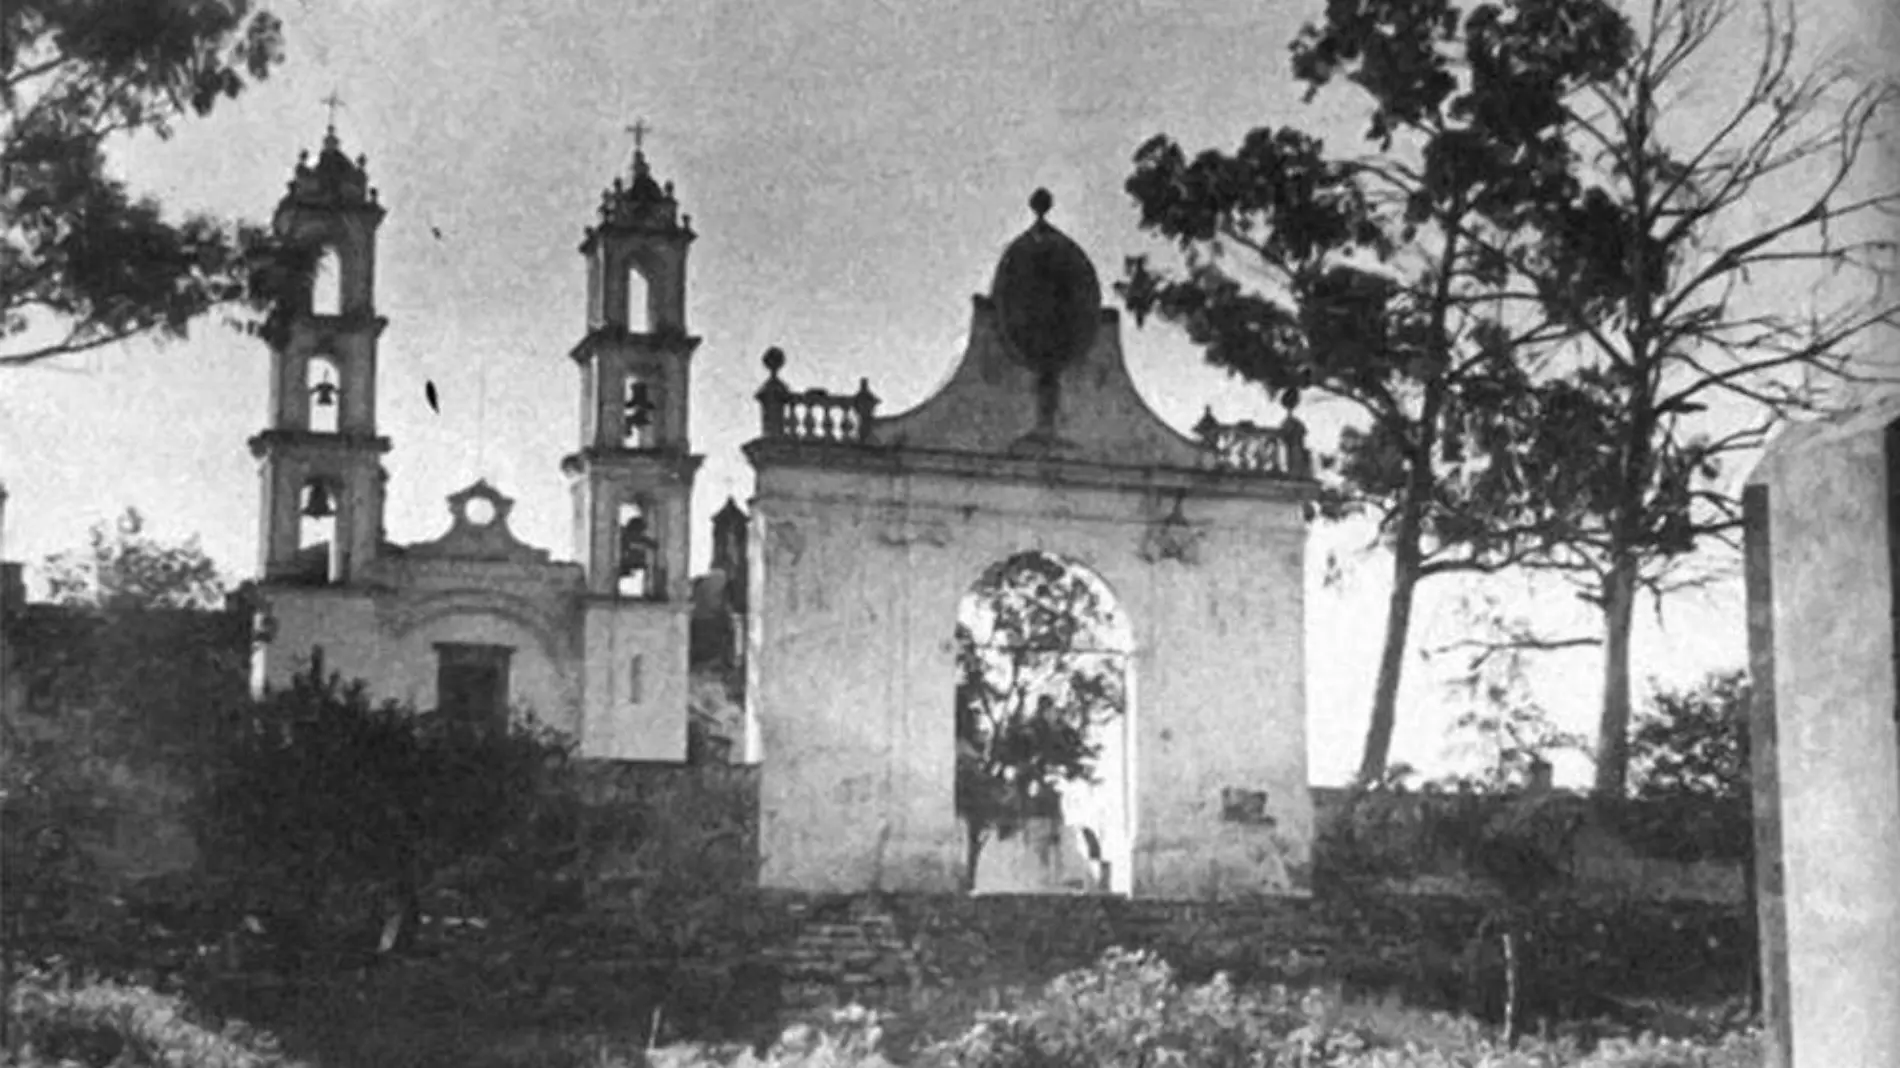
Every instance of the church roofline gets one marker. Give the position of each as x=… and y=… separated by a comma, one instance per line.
x=344, y=441
x=768, y=453
x=333, y=183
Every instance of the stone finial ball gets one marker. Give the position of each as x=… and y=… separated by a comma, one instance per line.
x=1047, y=296
x=1040, y=202
x=774, y=359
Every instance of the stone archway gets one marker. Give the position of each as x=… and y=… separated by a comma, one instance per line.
x=1044, y=699
x=868, y=531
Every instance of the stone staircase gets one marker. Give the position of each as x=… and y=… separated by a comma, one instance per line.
x=862, y=959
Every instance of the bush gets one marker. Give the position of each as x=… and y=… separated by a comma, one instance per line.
x=53, y=1023
x=1731, y=1051
x=59, y=800
x=330, y=813
x=1129, y=1010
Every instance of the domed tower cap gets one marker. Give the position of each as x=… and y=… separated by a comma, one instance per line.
x=1047, y=296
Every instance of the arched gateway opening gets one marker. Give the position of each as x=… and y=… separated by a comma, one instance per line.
x=1043, y=705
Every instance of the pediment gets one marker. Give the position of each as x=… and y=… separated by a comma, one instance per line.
x=1042, y=380
x=478, y=530
x=996, y=402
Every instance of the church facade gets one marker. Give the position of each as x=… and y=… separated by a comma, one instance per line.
x=475, y=620
x=867, y=535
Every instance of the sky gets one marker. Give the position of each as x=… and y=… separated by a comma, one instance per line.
x=853, y=171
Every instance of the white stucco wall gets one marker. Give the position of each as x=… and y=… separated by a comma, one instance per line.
x=856, y=590
x=1838, y=750
x=617, y=722
x=399, y=663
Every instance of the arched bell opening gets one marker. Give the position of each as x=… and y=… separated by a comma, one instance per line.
x=1044, y=705
x=640, y=406
x=638, y=310
x=319, y=546
x=323, y=382
x=638, y=575
x=326, y=283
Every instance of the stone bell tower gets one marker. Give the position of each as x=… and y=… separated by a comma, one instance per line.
x=632, y=478
x=320, y=456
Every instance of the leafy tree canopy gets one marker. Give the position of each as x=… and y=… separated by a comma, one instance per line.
x=125, y=568
x=1384, y=279
x=84, y=262
x=1692, y=742
x=1039, y=671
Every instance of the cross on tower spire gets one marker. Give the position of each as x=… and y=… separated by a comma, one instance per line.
x=639, y=130
x=333, y=102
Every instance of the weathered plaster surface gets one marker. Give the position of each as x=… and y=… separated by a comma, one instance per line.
x=861, y=553
x=1839, y=759
x=572, y=661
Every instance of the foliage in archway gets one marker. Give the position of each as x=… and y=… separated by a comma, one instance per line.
x=1040, y=657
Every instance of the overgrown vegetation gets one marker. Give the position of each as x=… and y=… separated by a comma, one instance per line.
x=54, y=1021
x=84, y=262
x=1038, y=678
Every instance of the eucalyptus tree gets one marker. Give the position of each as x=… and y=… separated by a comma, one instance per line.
x=1722, y=257
x=1382, y=277
x=85, y=263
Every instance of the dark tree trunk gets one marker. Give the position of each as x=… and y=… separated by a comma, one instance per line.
x=1613, y=724
x=973, y=849
x=1398, y=627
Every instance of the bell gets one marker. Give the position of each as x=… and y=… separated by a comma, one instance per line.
x=326, y=393
x=639, y=405
x=318, y=505
x=634, y=546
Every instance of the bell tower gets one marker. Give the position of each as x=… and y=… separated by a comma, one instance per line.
x=632, y=478
x=320, y=456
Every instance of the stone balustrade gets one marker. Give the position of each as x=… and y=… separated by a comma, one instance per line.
x=1250, y=447
x=815, y=415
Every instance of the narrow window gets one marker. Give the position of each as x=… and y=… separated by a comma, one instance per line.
x=635, y=690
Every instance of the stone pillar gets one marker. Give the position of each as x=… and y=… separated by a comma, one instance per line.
x=1829, y=795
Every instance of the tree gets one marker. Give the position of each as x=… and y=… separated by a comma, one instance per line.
x=124, y=676
x=145, y=654
x=1674, y=253
x=127, y=569
x=83, y=263
x=1034, y=685
x=1380, y=280
x=1693, y=741
x=333, y=812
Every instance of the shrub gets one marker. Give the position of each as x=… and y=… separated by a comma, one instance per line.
x=52, y=1021
x=1129, y=1010
x=1731, y=1051
x=59, y=800
x=330, y=812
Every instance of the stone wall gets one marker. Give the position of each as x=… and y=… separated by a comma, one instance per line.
x=875, y=948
